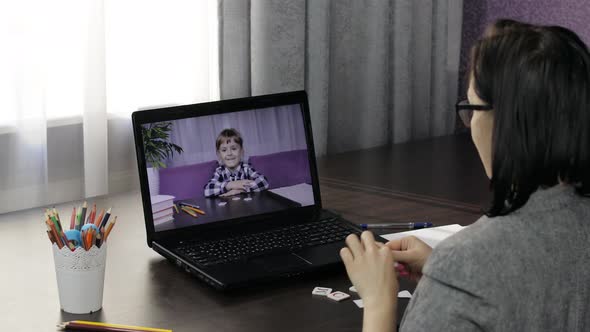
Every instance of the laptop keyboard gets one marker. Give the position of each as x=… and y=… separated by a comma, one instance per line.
x=250, y=245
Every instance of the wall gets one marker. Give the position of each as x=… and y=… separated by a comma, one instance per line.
x=477, y=14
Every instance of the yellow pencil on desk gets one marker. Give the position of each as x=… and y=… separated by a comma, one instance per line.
x=96, y=326
x=192, y=207
x=189, y=211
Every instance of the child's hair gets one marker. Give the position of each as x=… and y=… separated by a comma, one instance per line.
x=537, y=80
x=226, y=135
x=502, y=26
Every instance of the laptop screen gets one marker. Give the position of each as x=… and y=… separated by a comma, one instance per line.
x=212, y=168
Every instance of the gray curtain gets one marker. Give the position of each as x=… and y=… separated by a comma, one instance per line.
x=376, y=71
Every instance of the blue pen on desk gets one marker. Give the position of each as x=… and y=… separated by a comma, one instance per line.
x=189, y=205
x=398, y=225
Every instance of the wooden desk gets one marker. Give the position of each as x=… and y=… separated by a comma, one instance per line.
x=142, y=288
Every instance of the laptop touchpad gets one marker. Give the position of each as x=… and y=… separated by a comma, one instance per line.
x=281, y=263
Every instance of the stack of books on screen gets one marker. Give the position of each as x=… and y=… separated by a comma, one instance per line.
x=162, y=208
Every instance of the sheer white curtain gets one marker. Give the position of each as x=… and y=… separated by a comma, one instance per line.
x=72, y=73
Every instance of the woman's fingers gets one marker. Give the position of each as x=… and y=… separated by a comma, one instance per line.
x=346, y=256
x=402, y=244
x=353, y=243
x=404, y=256
x=368, y=240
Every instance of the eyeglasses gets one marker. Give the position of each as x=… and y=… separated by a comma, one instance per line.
x=465, y=111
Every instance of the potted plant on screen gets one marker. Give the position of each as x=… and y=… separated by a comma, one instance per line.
x=157, y=148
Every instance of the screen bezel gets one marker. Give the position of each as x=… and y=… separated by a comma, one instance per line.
x=140, y=118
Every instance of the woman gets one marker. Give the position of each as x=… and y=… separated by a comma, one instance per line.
x=525, y=266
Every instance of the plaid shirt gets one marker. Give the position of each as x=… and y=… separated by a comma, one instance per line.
x=222, y=176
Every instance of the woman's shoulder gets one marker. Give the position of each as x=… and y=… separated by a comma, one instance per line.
x=471, y=258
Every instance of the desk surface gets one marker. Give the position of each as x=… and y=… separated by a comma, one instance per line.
x=142, y=288
x=245, y=204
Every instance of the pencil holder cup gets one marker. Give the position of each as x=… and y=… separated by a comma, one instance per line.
x=80, y=278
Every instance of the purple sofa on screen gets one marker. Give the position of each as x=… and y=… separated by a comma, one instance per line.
x=186, y=181
x=281, y=169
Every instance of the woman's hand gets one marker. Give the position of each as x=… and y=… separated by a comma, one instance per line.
x=411, y=252
x=370, y=268
x=369, y=265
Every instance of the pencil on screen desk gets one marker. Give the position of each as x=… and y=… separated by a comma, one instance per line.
x=189, y=211
x=199, y=211
x=80, y=325
x=192, y=207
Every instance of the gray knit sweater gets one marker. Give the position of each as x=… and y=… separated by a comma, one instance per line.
x=528, y=271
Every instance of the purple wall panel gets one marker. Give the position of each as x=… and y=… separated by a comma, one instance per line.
x=477, y=14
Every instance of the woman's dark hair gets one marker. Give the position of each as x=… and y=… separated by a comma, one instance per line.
x=537, y=80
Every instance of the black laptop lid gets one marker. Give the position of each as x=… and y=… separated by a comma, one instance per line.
x=227, y=163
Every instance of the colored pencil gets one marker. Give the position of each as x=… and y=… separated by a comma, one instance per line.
x=105, y=218
x=99, y=239
x=54, y=232
x=73, y=219
x=196, y=208
x=78, y=221
x=108, y=231
x=189, y=211
x=99, y=218
x=89, y=238
x=84, y=208
x=199, y=211
x=54, y=220
x=92, y=214
x=104, y=327
x=57, y=217
x=50, y=237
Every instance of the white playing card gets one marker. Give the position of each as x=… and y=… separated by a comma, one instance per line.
x=359, y=303
x=248, y=198
x=235, y=199
x=338, y=296
x=404, y=294
x=321, y=291
x=222, y=203
x=352, y=289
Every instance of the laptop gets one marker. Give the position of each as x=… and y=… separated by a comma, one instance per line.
x=230, y=190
